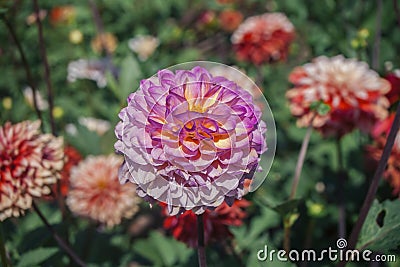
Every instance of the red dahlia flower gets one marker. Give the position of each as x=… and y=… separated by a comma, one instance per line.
x=263, y=39
x=394, y=94
x=72, y=158
x=216, y=222
x=62, y=14
x=380, y=133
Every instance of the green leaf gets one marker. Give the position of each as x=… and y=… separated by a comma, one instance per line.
x=323, y=109
x=287, y=207
x=146, y=249
x=113, y=85
x=314, y=105
x=129, y=76
x=381, y=230
x=245, y=235
x=290, y=219
x=36, y=256
x=166, y=249
x=86, y=141
x=161, y=250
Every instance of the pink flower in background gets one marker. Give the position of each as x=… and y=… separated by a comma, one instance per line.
x=32, y=18
x=94, y=70
x=30, y=163
x=263, y=39
x=95, y=192
x=354, y=93
x=190, y=139
x=206, y=19
x=95, y=125
x=216, y=223
x=144, y=45
x=42, y=103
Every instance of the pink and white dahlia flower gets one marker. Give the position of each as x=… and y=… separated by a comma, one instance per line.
x=30, y=163
x=190, y=139
x=354, y=92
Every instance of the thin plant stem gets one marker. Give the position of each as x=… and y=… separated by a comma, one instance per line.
x=377, y=38
x=229, y=247
x=287, y=229
x=369, y=198
x=98, y=22
x=299, y=167
x=4, y=259
x=91, y=231
x=99, y=27
x=341, y=189
x=27, y=68
x=308, y=238
x=259, y=77
x=397, y=11
x=300, y=160
x=46, y=67
x=59, y=240
x=201, y=252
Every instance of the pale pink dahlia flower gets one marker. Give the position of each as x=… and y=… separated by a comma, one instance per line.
x=95, y=192
x=30, y=163
x=354, y=93
x=190, y=139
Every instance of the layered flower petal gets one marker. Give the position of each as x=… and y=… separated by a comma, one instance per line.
x=264, y=38
x=30, y=162
x=190, y=139
x=354, y=93
x=95, y=192
x=216, y=223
